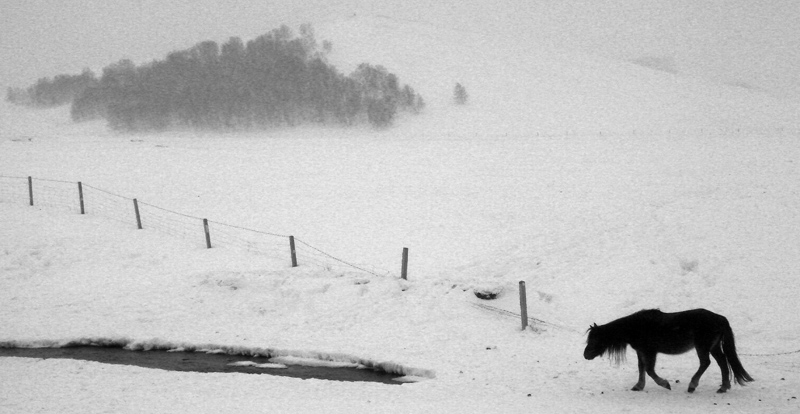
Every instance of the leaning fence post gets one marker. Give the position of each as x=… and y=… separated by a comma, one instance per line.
x=523, y=304
x=208, y=234
x=138, y=217
x=404, y=267
x=293, y=251
x=80, y=195
x=30, y=188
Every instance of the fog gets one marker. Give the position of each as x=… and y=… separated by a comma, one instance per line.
x=756, y=44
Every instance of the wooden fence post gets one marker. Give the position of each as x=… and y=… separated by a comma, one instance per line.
x=293, y=251
x=138, y=217
x=80, y=195
x=404, y=267
x=523, y=304
x=208, y=234
x=30, y=188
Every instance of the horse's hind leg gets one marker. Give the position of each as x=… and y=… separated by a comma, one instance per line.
x=705, y=361
x=722, y=361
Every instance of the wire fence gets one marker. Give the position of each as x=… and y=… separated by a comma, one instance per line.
x=82, y=198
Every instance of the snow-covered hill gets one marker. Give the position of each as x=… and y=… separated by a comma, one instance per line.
x=520, y=85
x=607, y=187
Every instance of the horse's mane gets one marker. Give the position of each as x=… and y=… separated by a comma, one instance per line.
x=616, y=352
x=613, y=334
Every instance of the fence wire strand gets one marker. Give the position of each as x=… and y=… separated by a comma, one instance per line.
x=246, y=239
x=248, y=230
x=166, y=221
x=108, y=205
x=531, y=320
x=313, y=251
x=65, y=195
x=105, y=191
x=56, y=194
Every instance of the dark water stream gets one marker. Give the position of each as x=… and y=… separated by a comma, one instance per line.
x=198, y=362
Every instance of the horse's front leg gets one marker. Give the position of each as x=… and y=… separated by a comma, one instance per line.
x=650, y=367
x=640, y=384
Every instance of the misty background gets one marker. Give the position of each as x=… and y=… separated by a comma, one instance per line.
x=739, y=42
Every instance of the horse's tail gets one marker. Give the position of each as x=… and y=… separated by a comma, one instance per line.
x=729, y=348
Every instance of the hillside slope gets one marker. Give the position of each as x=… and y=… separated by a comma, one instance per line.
x=605, y=186
x=520, y=85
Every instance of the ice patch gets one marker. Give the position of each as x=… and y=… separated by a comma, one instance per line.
x=257, y=365
x=311, y=362
x=409, y=378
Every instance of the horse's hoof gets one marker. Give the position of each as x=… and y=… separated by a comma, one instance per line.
x=637, y=388
x=691, y=389
x=665, y=384
x=722, y=391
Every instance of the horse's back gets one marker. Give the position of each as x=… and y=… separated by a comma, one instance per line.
x=702, y=323
x=698, y=316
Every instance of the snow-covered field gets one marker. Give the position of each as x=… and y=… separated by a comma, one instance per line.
x=605, y=186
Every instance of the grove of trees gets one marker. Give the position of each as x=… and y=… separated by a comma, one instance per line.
x=61, y=90
x=277, y=79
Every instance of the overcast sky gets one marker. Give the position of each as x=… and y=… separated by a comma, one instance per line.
x=751, y=41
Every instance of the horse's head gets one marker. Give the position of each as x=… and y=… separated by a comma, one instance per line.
x=595, y=343
x=605, y=340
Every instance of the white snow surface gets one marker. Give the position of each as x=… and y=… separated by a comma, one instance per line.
x=606, y=187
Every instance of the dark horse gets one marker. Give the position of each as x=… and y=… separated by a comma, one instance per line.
x=651, y=331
